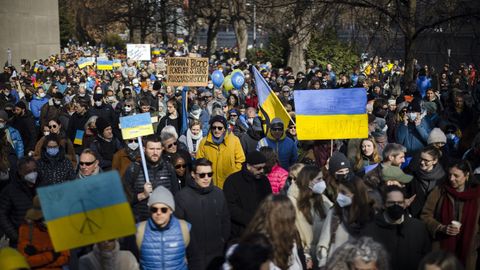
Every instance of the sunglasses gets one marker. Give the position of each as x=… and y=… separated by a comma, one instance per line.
x=277, y=129
x=53, y=126
x=233, y=115
x=171, y=145
x=183, y=166
x=86, y=163
x=202, y=175
x=164, y=210
x=217, y=127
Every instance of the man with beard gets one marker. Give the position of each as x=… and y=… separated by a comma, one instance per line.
x=24, y=122
x=244, y=190
x=160, y=173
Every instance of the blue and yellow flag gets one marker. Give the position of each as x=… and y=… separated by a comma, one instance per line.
x=104, y=64
x=331, y=114
x=268, y=103
x=117, y=63
x=134, y=126
x=86, y=211
x=156, y=51
x=79, y=137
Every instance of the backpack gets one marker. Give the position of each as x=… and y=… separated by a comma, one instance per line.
x=141, y=232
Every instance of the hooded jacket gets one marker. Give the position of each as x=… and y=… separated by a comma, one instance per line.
x=285, y=148
x=226, y=157
x=36, y=105
x=206, y=209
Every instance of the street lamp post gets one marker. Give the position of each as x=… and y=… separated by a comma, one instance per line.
x=254, y=24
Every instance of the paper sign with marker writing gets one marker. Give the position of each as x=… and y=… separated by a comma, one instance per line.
x=86, y=211
x=134, y=126
x=187, y=71
x=139, y=52
x=331, y=114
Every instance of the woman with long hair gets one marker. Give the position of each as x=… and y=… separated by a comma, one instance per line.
x=429, y=174
x=452, y=212
x=352, y=210
x=363, y=253
x=311, y=206
x=366, y=155
x=292, y=175
x=55, y=127
x=53, y=166
x=274, y=172
x=275, y=218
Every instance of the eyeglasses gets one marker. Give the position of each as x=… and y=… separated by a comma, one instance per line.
x=183, y=166
x=217, y=128
x=164, y=210
x=53, y=126
x=86, y=163
x=171, y=145
x=202, y=175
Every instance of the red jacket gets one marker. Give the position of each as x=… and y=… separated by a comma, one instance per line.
x=277, y=178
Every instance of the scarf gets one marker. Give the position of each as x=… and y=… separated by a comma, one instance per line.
x=218, y=140
x=462, y=242
x=193, y=147
x=81, y=176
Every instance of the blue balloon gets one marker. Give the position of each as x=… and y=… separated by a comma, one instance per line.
x=238, y=80
x=217, y=78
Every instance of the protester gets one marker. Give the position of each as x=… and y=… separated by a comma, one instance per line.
x=53, y=166
x=107, y=255
x=362, y=253
x=193, y=137
x=12, y=135
x=125, y=156
x=24, y=122
x=54, y=127
x=162, y=239
x=275, y=174
x=210, y=219
x=182, y=170
x=105, y=143
x=88, y=164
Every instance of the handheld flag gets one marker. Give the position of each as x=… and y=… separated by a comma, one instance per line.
x=268, y=103
x=331, y=114
x=78, y=137
x=137, y=125
x=103, y=64
x=86, y=211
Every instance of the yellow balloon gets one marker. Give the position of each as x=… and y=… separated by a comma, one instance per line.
x=227, y=83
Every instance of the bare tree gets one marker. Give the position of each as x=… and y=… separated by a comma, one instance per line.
x=239, y=17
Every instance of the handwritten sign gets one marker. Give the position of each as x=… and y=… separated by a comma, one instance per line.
x=86, y=211
x=139, y=52
x=134, y=126
x=187, y=71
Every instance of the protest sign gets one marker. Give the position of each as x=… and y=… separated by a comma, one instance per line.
x=117, y=63
x=187, y=71
x=85, y=61
x=331, y=114
x=137, y=125
x=86, y=211
x=139, y=52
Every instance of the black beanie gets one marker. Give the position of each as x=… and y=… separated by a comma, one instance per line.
x=101, y=125
x=255, y=157
x=218, y=118
x=157, y=85
x=338, y=161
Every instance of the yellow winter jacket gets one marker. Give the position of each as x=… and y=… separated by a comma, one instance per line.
x=227, y=157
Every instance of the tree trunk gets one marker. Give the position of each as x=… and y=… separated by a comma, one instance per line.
x=163, y=21
x=211, y=36
x=410, y=45
x=296, y=57
x=238, y=15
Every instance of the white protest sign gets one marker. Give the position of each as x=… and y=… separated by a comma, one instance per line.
x=139, y=52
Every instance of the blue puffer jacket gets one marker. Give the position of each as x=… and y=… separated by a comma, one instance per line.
x=36, y=105
x=16, y=142
x=163, y=248
x=414, y=138
x=285, y=148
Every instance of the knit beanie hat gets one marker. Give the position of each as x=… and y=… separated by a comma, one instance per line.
x=218, y=118
x=436, y=136
x=157, y=85
x=255, y=157
x=161, y=195
x=337, y=162
x=101, y=125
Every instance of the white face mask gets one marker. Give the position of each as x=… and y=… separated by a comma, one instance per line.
x=41, y=95
x=99, y=92
x=343, y=200
x=128, y=109
x=133, y=145
x=412, y=116
x=57, y=102
x=82, y=94
x=46, y=133
x=98, y=103
x=319, y=187
x=210, y=85
x=31, y=177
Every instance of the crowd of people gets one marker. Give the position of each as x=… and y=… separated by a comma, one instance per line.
x=228, y=190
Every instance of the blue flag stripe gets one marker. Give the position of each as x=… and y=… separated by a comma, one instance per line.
x=263, y=89
x=81, y=195
x=135, y=120
x=330, y=101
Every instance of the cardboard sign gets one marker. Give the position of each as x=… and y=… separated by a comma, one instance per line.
x=139, y=52
x=187, y=71
x=134, y=126
x=86, y=211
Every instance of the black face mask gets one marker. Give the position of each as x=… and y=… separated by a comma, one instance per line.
x=395, y=212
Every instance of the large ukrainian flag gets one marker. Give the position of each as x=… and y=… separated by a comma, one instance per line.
x=103, y=64
x=331, y=114
x=268, y=103
x=86, y=211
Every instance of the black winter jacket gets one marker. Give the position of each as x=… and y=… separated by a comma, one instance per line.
x=244, y=194
x=26, y=126
x=15, y=200
x=160, y=174
x=207, y=211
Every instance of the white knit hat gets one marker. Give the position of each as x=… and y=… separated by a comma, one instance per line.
x=436, y=136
